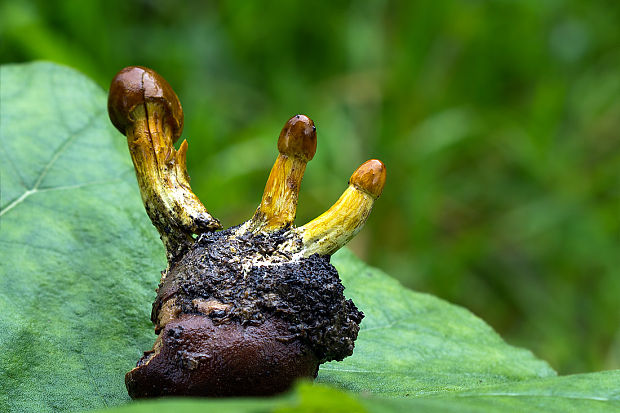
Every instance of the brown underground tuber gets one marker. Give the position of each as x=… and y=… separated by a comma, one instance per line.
x=248, y=310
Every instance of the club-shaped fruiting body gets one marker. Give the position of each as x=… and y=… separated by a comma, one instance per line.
x=143, y=106
x=247, y=310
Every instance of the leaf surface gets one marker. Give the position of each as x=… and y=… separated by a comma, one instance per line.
x=80, y=262
x=412, y=343
x=593, y=392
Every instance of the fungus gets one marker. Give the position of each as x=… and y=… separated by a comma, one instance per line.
x=250, y=309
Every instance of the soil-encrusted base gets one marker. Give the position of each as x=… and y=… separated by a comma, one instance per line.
x=255, y=279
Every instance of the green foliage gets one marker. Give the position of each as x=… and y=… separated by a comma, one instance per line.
x=585, y=392
x=80, y=261
x=497, y=121
x=414, y=343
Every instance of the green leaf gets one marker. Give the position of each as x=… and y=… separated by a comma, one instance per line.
x=591, y=392
x=80, y=262
x=584, y=392
x=412, y=343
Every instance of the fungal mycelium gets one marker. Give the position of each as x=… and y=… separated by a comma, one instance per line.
x=250, y=309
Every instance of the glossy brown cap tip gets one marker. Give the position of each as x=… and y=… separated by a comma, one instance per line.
x=135, y=85
x=298, y=138
x=370, y=177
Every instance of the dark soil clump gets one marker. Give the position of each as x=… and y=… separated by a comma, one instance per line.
x=256, y=280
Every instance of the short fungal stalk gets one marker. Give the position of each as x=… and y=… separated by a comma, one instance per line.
x=250, y=309
x=334, y=228
x=297, y=145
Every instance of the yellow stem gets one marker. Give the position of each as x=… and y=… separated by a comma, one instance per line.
x=164, y=184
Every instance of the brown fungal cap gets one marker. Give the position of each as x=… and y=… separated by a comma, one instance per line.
x=370, y=177
x=136, y=85
x=298, y=138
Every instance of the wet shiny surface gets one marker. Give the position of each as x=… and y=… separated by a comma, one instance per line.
x=198, y=358
x=135, y=85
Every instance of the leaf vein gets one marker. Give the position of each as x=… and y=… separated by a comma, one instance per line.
x=57, y=154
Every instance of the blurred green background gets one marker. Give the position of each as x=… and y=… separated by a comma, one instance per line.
x=498, y=122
